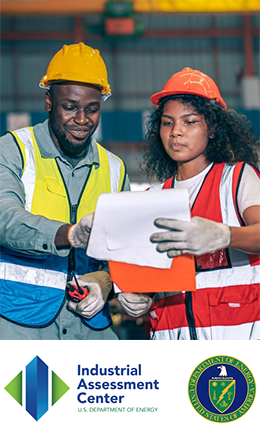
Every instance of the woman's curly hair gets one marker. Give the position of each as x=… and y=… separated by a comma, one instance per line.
x=233, y=139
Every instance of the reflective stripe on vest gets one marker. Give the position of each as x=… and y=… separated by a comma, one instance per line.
x=231, y=332
x=226, y=304
x=33, y=287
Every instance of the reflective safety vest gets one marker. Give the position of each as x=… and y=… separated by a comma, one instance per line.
x=226, y=303
x=33, y=286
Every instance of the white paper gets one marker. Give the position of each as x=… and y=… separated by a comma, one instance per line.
x=124, y=222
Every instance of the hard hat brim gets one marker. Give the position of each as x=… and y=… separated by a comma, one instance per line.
x=158, y=96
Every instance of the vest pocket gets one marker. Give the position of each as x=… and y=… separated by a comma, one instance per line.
x=50, y=200
x=54, y=187
x=216, y=260
x=233, y=295
x=234, y=306
x=20, y=290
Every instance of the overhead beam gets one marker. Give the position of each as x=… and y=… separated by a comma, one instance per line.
x=68, y=7
x=81, y=35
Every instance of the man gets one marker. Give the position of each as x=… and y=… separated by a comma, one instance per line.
x=51, y=177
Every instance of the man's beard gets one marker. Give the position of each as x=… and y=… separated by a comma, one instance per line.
x=65, y=144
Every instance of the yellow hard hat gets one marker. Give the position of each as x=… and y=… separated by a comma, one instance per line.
x=77, y=62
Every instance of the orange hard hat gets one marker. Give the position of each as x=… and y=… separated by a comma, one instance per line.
x=190, y=82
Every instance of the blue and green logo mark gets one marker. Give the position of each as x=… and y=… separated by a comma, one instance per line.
x=36, y=388
x=222, y=389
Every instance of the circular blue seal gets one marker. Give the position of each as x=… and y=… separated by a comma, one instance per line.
x=222, y=389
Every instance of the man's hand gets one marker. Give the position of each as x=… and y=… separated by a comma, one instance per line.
x=99, y=286
x=135, y=304
x=199, y=236
x=78, y=234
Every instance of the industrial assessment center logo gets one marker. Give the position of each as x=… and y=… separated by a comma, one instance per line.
x=99, y=389
x=37, y=388
x=222, y=389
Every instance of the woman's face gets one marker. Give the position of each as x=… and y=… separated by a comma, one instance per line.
x=184, y=133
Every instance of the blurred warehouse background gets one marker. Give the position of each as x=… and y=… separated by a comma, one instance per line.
x=143, y=43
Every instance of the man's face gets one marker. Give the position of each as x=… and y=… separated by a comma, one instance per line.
x=74, y=111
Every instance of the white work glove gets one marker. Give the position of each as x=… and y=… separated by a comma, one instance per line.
x=199, y=236
x=135, y=304
x=78, y=234
x=99, y=286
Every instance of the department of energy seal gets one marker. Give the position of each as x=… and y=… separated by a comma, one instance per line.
x=222, y=389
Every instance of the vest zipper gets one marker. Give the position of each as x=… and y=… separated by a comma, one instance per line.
x=190, y=316
x=71, y=257
x=73, y=219
x=73, y=214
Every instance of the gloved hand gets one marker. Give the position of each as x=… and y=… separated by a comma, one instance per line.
x=199, y=236
x=99, y=286
x=78, y=234
x=135, y=304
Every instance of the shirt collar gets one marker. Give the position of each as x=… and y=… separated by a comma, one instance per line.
x=48, y=149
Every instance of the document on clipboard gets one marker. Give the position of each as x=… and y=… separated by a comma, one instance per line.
x=121, y=231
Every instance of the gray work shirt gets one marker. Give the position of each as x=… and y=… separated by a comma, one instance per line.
x=34, y=234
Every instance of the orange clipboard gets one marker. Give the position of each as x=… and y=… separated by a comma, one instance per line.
x=131, y=278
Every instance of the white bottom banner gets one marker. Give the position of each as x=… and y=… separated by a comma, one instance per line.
x=129, y=389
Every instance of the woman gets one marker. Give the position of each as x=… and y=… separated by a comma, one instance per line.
x=194, y=142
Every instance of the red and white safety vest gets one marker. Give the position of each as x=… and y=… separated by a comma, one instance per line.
x=226, y=303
